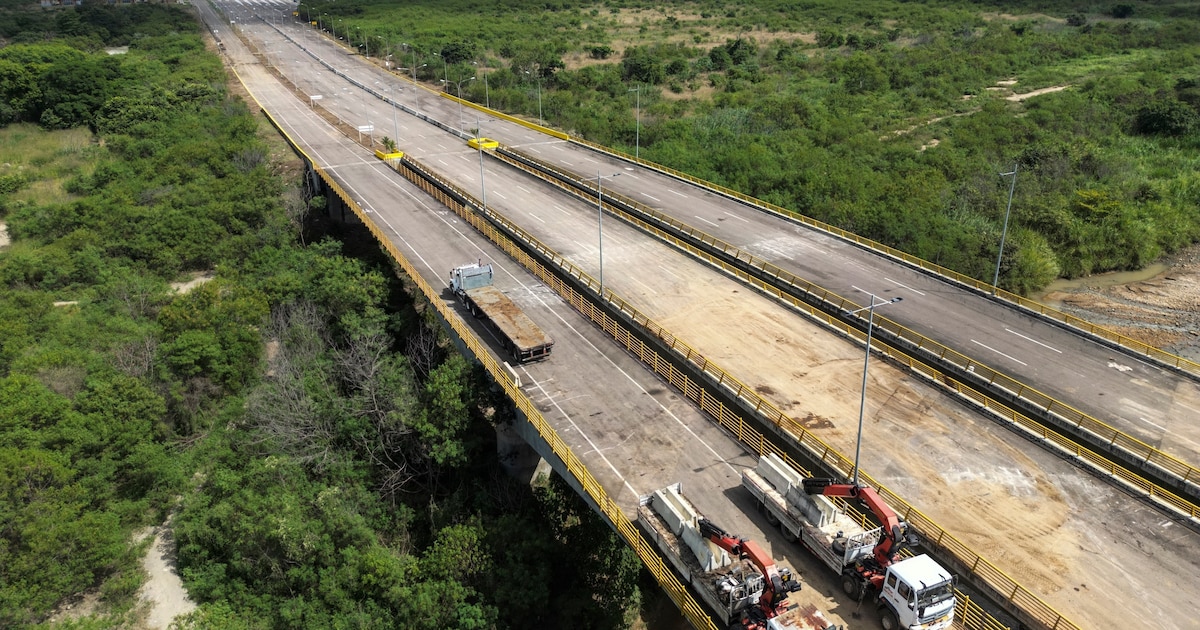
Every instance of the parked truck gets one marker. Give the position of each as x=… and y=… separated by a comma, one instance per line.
x=735, y=577
x=520, y=337
x=913, y=593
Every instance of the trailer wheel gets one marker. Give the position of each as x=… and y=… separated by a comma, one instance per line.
x=850, y=586
x=889, y=620
x=771, y=518
x=787, y=533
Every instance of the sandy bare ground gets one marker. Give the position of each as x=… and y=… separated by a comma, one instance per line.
x=1163, y=310
x=197, y=278
x=1017, y=98
x=1096, y=554
x=163, y=591
x=4, y=240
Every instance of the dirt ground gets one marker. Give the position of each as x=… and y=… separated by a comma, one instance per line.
x=163, y=591
x=1163, y=310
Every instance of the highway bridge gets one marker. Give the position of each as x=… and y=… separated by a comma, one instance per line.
x=739, y=312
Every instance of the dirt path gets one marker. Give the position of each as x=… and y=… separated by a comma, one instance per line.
x=163, y=591
x=1017, y=98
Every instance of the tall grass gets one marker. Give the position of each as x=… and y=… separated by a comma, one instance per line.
x=46, y=159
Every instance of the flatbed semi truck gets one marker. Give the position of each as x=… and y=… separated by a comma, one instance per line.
x=521, y=338
x=914, y=593
x=735, y=578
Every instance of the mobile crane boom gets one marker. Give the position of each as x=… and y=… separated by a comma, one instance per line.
x=779, y=581
x=895, y=531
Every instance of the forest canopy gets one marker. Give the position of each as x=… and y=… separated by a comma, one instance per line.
x=182, y=332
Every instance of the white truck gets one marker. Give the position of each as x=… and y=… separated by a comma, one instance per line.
x=746, y=591
x=914, y=593
x=520, y=337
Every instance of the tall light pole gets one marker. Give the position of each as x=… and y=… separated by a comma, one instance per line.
x=600, y=221
x=487, y=95
x=862, y=404
x=395, y=124
x=479, y=145
x=1004, y=232
x=458, y=85
x=637, y=133
x=539, y=92
x=445, y=69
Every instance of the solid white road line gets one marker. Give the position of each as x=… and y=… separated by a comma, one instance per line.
x=905, y=286
x=998, y=352
x=1033, y=340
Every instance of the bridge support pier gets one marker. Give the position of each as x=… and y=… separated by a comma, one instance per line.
x=518, y=458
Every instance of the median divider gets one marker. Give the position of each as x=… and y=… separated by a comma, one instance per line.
x=513, y=119
x=1148, y=469
x=712, y=405
x=1109, y=337
x=559, y=274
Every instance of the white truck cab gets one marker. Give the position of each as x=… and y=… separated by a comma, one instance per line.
x=919, y=594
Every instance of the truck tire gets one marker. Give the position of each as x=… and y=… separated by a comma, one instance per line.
x=852, y=587
x=788, y=535
x=889, y=621
x=771, y=518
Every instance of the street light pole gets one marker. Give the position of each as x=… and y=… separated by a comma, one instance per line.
x=445, y=69
x=637, y=134
x=862, y=404
x=541, y=120
x=487, y=95
x=600, y=221
x=458, y=86
x=539, y=93
x=1004, y=232
x=479, y=145
x=392, y=98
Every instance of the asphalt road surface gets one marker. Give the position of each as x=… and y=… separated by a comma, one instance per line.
x=1071, y=538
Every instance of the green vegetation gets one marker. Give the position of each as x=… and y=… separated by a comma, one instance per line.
x=331, y=462
x=832, y=109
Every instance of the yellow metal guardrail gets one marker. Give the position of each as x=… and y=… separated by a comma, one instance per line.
x=1082, y=421
x=513, y=119
x=694, y=391
x=1145, y=349
x=980, y=399
x=648, y=554
x=731, y=420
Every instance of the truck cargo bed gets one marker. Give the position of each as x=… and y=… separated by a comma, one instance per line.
x=523, y=337
x=853, y=540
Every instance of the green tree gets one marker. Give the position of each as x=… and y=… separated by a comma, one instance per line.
x=641, y=65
